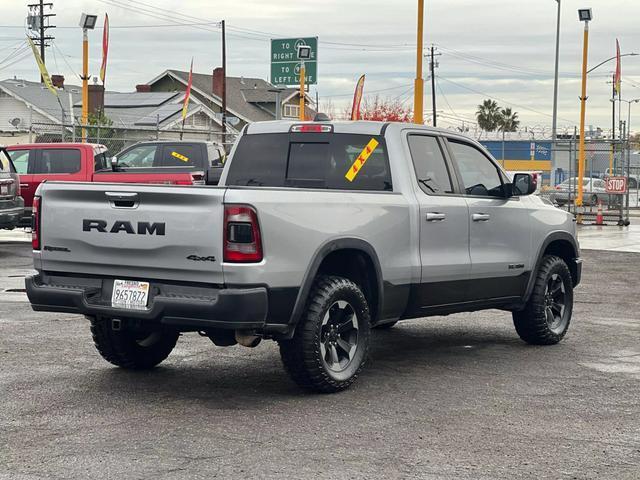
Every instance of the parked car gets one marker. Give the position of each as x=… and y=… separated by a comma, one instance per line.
x=179, y=163
x=315, y=233
x=593, y=191
x=199, y=160
x=11, y=203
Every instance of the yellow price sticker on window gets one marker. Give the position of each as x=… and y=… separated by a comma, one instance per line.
x=361, y=160
x=179, y=156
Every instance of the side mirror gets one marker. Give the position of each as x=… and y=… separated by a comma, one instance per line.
x=114, y=163
x=213, y=175
x=524, y=184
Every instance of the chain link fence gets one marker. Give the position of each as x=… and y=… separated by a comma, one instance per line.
x=118, y=138
x=604, y=159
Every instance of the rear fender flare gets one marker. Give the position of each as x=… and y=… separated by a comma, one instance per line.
x=321, y=253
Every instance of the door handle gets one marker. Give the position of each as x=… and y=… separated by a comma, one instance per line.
x=24, y=185
x=125, y=196
x=435, y=217
x=480, y=217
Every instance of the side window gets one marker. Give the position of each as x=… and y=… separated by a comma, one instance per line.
x=479, y=175
x=138, y=157
x=430, y=165
x=100, y=161
x=20, y=160
x=181, y=156
x=57, y=161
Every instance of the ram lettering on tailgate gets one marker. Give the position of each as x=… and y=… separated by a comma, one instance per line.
x=143, y=228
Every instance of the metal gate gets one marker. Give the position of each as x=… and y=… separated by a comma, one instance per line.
x=610, y=183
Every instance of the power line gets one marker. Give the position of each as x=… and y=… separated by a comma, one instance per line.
x=500, y=99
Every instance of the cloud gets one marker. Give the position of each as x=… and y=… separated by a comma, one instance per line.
x=498, y=48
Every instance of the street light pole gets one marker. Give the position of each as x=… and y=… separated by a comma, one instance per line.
x=418, y=89
x=585, y=16
x=554, y=126
x=85, y=83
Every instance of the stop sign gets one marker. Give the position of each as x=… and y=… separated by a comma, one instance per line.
x=616, y=185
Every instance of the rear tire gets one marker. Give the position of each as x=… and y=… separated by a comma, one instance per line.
x=331, y=342
x=129, y=349
x=547, y=315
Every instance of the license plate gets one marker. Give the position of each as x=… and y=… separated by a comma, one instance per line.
x=130, y=294
x=4, y=189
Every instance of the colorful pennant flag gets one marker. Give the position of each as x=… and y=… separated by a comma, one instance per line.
x=43, y=69
x=357, y=98
x=105, y=48
x=187, y=94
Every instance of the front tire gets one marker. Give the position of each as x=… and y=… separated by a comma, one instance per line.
x=129, y=349
x=331, y=342
x=547, y=315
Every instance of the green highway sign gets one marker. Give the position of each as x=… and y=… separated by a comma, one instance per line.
x=285, y=66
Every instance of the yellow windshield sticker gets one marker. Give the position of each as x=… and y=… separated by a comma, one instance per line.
x=362, y=158
x=180, y=157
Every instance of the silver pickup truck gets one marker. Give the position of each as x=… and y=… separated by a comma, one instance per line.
x=317, y=232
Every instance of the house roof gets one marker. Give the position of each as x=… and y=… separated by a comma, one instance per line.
x=36, y=95
x=246, y=97
x=125, y=110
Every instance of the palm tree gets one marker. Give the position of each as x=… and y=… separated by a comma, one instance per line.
x=488, y=115
x=508, y=120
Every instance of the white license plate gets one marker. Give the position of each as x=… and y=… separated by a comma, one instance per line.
x=4, y=189
x=130, y=294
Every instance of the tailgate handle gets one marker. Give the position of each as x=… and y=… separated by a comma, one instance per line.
x=122, y=199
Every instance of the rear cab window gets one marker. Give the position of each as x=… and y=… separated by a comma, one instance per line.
x=189, y=155
x=58, y=161
x=311, y=160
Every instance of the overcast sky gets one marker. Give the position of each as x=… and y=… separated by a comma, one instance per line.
x=491, y=48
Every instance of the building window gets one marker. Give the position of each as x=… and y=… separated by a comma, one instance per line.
x=291, y=111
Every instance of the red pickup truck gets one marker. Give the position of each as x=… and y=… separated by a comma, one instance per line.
x=178, y=163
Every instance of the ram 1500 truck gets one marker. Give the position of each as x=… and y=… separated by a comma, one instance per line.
x=316, y=232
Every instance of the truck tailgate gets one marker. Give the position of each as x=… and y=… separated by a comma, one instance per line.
x=132, y=231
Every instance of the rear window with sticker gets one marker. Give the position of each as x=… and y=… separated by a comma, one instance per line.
x=311, y=160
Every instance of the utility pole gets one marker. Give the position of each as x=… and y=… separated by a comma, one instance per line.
x=418, y=90
x=432, y=67
x=224, y=83
x=39, y=23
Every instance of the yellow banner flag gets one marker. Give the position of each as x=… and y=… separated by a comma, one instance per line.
x=43, y=69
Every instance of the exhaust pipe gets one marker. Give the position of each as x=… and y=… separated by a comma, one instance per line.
x=247, y=339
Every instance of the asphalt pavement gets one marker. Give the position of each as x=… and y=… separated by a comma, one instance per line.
x=445, y=397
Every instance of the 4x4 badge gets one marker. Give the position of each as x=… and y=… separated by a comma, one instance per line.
x=197, y=258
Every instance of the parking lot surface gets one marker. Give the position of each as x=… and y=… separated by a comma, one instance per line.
x=454, y=397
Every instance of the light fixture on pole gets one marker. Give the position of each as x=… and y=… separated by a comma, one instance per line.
x=87, y=22
x=304, y=53
x=584, y=14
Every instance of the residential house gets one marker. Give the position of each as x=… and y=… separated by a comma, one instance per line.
x=248, y=99
x=29, y=112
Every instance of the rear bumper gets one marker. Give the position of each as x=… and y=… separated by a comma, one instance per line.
x=11, y=217
x=186, y=307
